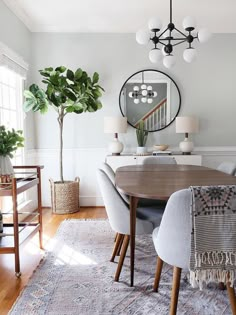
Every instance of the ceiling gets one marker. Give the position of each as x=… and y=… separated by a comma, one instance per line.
x=120, y=16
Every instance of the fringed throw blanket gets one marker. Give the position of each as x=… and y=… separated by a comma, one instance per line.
x=213, y=236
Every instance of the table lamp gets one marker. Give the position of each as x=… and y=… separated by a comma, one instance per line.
x=115, y=125
x=186, y=125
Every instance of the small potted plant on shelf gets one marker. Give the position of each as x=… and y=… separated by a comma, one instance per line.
x=66, y=92
x=142, y=136
x=10, y=141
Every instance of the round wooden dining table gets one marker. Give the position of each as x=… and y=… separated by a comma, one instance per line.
x=160, y=182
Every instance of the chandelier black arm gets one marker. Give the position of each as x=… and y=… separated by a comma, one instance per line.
x=184, y=40
x=163, y=32
x=167, y=39
x=180, y=32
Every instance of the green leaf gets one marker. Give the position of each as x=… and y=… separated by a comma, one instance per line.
x=78, y=74
x=70, y=94
x=33, y=88
x=50, y=69
x=61, y=69
x=95, y=77
x=70, y=75
x=70, y=109
x=28, y=94
x=28, y=105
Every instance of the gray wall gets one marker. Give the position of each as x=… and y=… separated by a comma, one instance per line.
x=206, y=86
x=16, y=36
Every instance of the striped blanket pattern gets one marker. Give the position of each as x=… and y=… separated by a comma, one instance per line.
x=213, y=235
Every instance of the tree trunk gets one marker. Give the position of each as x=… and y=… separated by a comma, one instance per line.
x=60, y=121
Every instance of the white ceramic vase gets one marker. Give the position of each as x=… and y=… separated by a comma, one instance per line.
x=141, y=150
x=6, y=167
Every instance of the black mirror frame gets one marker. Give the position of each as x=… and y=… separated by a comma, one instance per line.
x=163, y=74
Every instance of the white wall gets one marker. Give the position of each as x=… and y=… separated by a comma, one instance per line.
x=17, y=37
x=206, y=86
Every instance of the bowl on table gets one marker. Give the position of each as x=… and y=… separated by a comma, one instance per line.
x=160, y=147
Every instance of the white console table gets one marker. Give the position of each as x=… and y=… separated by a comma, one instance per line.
x=116, y=161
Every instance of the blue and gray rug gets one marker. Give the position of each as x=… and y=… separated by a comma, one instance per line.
x=76, y=278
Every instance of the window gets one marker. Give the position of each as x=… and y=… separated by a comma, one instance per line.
x=11, y=97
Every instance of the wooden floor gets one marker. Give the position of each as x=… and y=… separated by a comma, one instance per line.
x=10, y=286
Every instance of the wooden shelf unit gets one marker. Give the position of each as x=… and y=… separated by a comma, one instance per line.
x=14, y=234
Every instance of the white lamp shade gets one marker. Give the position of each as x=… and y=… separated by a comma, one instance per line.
x=144, y=99
x=169, y=61
x=155, y=55
x=136, y=88
x=154, y=23
x=144, y=92
x=189, y=22
x=149, y=100
x=143, y=86
x=115, y=124
x=155, y=94
x=143, y=37
x=136, y=101
x=204, y=35
x=187, y=125
x=149, y=88
x=190, y=54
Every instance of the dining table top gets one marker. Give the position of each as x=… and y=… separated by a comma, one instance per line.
x=161, y=181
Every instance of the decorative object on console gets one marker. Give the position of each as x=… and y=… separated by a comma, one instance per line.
x=66, y=92
x=159, y=113
x=10, y=141
x=160, y=147
x=142, y=135
x=115, y=125
x=169, y=37
x=186, y=125
x=144, y=93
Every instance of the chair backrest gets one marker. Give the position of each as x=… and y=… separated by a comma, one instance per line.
x=109, y=171
x=227, y=167
x=173, y=241
x=159, y=160
x=111, y=175
x=117, y=210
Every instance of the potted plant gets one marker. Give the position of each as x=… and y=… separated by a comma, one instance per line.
x=142, y=135
x=66, y=92
x=10, y=141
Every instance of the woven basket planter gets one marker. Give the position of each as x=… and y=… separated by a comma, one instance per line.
x=65, y=196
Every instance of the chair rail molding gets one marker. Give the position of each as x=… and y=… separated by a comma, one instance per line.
x=83, y=162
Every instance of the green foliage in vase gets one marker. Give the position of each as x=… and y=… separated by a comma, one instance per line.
x=10, y=141
x=142, y=134
x=66, y=92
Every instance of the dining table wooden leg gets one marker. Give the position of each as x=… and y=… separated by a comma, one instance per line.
x=133, y=207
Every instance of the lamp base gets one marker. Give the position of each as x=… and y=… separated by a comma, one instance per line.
x=115, y=147
x=186, y=146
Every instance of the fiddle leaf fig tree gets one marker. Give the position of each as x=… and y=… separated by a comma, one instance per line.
x=66, y=92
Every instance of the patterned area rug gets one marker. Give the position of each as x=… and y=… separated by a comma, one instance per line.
x=76, y=278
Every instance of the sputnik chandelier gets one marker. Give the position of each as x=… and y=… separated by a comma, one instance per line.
x=165, y=40
x=143, y=93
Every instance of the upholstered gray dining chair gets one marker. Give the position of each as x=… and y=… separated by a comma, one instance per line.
x=159, y=160
x=227, y=167
x=119, y=218
x=172, y=241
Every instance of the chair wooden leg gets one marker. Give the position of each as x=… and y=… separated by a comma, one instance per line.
x=120, y=245
x=232, y=298
x=158, y=274
x=119, y=240
x=175, y=290
x=115, y=238
x=122, y=256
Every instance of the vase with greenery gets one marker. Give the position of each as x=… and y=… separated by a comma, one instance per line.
x=10, y=141
x=66, y=92
x=142, y=136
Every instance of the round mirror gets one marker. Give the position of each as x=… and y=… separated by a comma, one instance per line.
x=151, y=96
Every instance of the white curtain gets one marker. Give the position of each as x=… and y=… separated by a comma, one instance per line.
x=11, y=60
